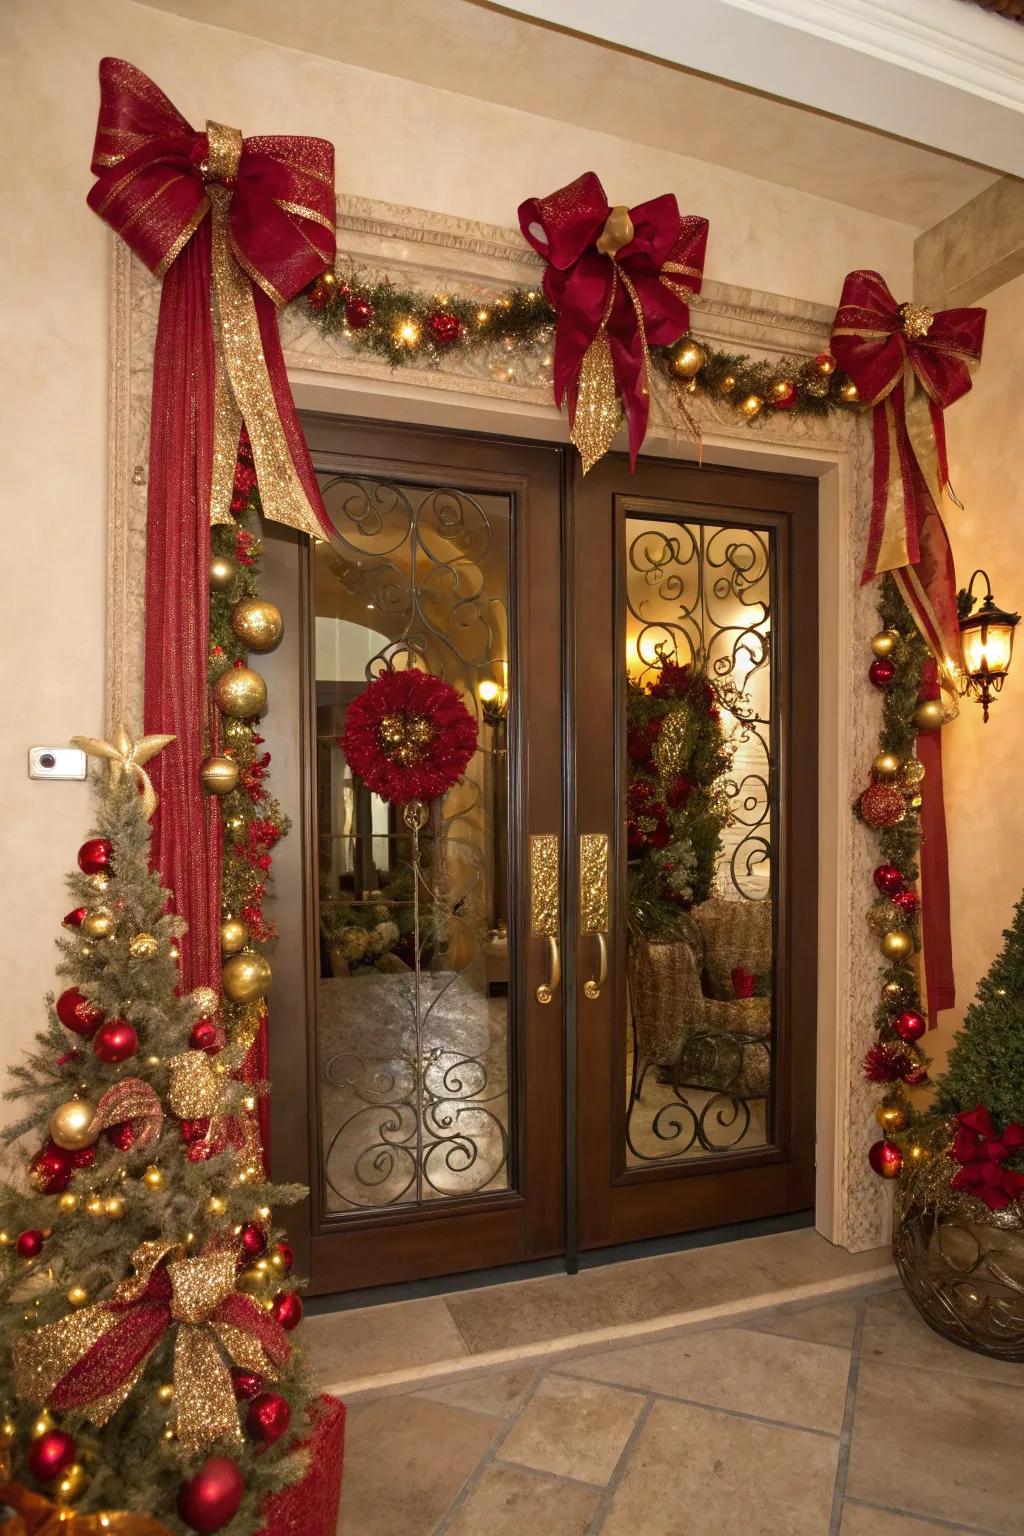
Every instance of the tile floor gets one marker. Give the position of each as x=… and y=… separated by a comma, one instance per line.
x=842, y=1418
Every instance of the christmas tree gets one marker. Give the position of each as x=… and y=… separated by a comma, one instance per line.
x=145, y=1299
x=986, y=1062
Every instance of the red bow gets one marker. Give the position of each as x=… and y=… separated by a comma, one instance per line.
x=618, y=279
x=270, y=202
x=881, y=344
x=983, y=1155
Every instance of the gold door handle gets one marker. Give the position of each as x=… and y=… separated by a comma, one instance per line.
x=592, y=988
x=594, y=905
x=544, y=892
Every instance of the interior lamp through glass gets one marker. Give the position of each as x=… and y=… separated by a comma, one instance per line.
x=986, y=640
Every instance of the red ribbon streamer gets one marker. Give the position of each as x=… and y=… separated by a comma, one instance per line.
x=663, y=262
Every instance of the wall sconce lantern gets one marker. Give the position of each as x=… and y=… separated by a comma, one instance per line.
x=493, y=700
x=986, y=638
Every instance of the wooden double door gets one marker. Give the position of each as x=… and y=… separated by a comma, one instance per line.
x=576, y=1007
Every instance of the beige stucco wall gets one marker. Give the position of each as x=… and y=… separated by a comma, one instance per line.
x=982, y=764
x=395, y=140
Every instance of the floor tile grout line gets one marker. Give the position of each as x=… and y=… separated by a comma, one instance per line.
x=914, y=1514
x=695, y=1402
x=455, y=1325
x=486, y=1460
x=618, y=1472
x=846, y=1433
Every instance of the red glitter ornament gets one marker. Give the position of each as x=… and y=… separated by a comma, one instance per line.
x=910, y=1025
x=82, y=1157
x=358, y=314
x=889, y=879
x=882, y=672
x=409, y=736
x=115, y=1041
x=194, y=1130
x=74, y=918
x=206, y=1036
x=50, y=1454
x=122, y=1136
x=906, y=901
x=210, y=1500
x=94, y=856
x=784, y=401
x=254, y=1240
x=29, y=1244
x=247, y=1384
x=285, y=1250
x=268, y=1417
x=886, y=1159
x=882, y=806
x=915, y=1076
x=444, y=328
x=884, y=1062
x=51, y=1169
x=78, y=1014
x=287, y=1309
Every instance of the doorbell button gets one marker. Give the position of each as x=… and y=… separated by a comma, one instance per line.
x=56, y=763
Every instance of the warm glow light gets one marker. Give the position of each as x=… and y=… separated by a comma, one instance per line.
x=407, y=334
x=488, y=691
x=988, y=649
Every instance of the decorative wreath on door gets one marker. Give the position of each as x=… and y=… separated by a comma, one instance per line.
x=409, y=736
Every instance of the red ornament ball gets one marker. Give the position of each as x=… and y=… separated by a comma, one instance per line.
x=115, y=1041
x=210, y=1500
x=358, y=314
x=247, y=1384
x=199, y=1151
x=910, y=1025
x=29, y=1244
x=285, y=1250
x=83, y=1157
x=886, y=1159
x=784, y=401
x=206, y=1036
x=194, y=1130
x=915, y=1076
x=287, y=1309
x=78, y=1014
x=906, y=901
x=889, y=880
x=882, y=672
x=50, y=1455
x=268, y=1417
x=74, y=918
x=882, y=805
x=94, y=857
x=51, y=1169
x=121, y=1136
x=254, y=1240
x=444, y=328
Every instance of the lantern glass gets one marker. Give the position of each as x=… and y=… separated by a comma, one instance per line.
x=988, y=646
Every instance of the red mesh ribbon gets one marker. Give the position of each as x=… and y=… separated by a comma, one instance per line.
x=246, y=223
x=310, y=1507
x=635, y=297
x=885, y=347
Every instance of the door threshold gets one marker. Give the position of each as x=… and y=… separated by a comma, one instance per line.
x=407, y=1346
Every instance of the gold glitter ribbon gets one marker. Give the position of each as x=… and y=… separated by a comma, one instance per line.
x=243, y=387
x=35, y=1515
x=194, y=1092
x=127, y=757
x=204, y=1397
x=134, y=1100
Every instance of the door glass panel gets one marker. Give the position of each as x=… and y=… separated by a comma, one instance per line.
x=699, y=745
x=414, y=1045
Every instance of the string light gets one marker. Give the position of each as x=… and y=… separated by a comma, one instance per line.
x=407, y=334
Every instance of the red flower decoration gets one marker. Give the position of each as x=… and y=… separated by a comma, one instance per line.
x=982, y=1156
x=409, y=736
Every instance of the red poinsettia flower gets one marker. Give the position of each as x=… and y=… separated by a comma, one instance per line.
x=672, y=682
x=982, y=1155
x=640, y=741
x=679, y=791
x=409, y=736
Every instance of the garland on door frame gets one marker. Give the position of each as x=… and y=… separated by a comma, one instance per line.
x=404, y=326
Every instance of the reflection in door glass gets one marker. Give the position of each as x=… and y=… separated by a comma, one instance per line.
x=699, y=828
x=413, y=1040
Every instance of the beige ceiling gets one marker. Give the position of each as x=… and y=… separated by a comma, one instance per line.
x=463, y=46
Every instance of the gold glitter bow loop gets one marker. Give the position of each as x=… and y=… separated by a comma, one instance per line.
x=36, y=1515
x=194, y=1092
x=127, y=757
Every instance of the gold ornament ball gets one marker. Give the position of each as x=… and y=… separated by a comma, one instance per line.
x=234, y=935
x=915, y=802
x=143, y=946
x=113, y=1207
x=913, y=774
x=246, y=976
x=257, y=623
x=897, y=945
x=94, y=1205
x=165, y=1392
x=78, y=1296
x=253, y=1280
x=886, y=765
x=217, y=1205
x=930, y=716
x=152, y=1177
x=782, y=389
x=751, y=406
x=728, y=384
x=893, y=993
x=72, y=1483
x=219, y=775
x=891, y=1117
x=688, y=359
x=223, y=571
x=68, y=1201
x=99, y=924
x=277, y=1262
x=205, y=1000
x=8, y=1431
x=885, y=642
x=241, y=693
x=41, y=1424
x=71, y=1125
x=917, y=1154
